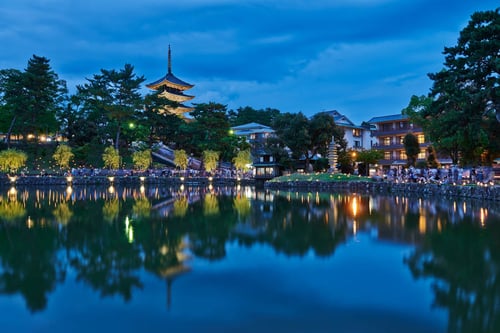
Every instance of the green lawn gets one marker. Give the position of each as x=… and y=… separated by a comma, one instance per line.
x=320, y=177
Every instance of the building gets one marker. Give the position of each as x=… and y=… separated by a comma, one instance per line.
x=264, y=165
x=357, y=137
x=254, y=133
x=388, y=133
x=172, y=88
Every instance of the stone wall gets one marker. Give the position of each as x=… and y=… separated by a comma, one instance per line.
x=490, y=192
x=122, y=181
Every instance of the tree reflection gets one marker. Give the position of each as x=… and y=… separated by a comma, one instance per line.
x=116, y=236
x=10, y=208
x=62, y=213
x=464, y=262
x=31, y=265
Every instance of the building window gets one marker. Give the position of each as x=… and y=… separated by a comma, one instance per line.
x=387, y=141
x=400, y=140
x=387, y=155
x=422, y=154
x=357, y=143
x=421, y=138
x=356, y=132
x=402, y=155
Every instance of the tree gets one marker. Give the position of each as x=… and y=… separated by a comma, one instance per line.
x=243, y=160
x=181, y=159
x=321, y=129
x=114, y=94
x=142, y=159
x=12, y=160
x=14, y=99
x=307, y=138
x=293, y=130
x=412, y=148
x=210, y=128
x=368, y=157
x=465, y=92
x=111, y=158
x=160, y=125
x=210, y=160
x=63, y=155
x=432, y=160
x=33, y=99
x=248, y=114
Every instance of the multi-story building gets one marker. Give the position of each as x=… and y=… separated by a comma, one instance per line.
x=388, y=133
x=357, y=137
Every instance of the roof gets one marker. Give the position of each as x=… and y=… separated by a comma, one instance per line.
x=169, y=78
x=250, y=126
x=388, y=118
x=340, y=119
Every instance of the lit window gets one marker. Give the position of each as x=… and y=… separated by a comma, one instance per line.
x=387, y=155
x=421, y=155
x=402, y=155
x=387, y=141
x=421, y=138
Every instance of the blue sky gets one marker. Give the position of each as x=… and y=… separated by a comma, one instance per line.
x=364, y=58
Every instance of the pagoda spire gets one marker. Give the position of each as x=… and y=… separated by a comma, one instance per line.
x=169, y=60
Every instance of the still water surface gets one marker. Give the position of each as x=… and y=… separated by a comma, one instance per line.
x=245, y=260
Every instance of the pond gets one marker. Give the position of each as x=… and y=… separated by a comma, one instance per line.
x=237, y=259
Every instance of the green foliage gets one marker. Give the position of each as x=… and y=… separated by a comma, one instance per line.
x=464, y=94
x=210, y=160
x=247, y=114
x=368, y=157
x=142, y=159
x=181, y=159
x=412, y=148
x=63, y=156
x=242, y=160
x=33, y=99
x=111, y=158
x=12, y=160
x=112, y=99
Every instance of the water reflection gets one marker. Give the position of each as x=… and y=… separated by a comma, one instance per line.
x=108, y=237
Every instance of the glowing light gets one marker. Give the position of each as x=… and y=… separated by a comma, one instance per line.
x=12, y=191
x=69, y=179
x=142, y=189
x=111, y=179
x=142, y=178
x=354, y=206
x=182, y=179
x=29, y=222
x=12, y=179
x=129, y=230
x=111, y=189
x=483, y=214
x=210, y=179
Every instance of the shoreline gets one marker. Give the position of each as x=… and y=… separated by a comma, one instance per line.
x=487, y=192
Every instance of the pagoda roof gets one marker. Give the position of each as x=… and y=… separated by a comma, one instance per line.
x=176, y=97
x=170, y=80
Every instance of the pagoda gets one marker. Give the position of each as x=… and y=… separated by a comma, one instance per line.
x=172, y=88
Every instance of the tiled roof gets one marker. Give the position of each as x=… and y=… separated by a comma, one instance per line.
x=388, y=118
x=173, y=79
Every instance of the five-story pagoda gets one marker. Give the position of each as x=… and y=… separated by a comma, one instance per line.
x=172, y=88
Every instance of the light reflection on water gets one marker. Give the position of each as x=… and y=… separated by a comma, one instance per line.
x=224, y=258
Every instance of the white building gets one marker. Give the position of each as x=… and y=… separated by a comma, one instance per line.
x=357, y=137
